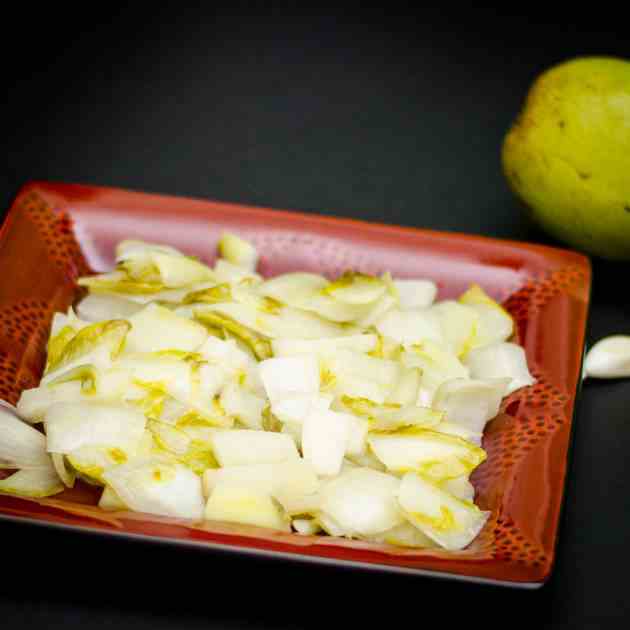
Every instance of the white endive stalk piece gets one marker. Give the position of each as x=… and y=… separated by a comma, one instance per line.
x=157, y=486
x=609, y=358
x=21, y=446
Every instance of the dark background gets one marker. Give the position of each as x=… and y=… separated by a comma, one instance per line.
x=395, y=118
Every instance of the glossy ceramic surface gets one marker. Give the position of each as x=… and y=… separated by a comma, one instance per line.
x=55, y=232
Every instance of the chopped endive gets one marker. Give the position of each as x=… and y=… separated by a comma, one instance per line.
x=244, y=406
x=290, y=376
x=157, y=486
x=288, y=287
x=450, y=428
x=405, y=535
x=35, y=483
x=435, y=455
x=362, y=502
x=258, y=343
x=356, y=288
x=448, y=521
x=500, y=360
x=437, y=365
x=70, y=426
x=301, y=401
x=459, y=487
x=325, y=439
x=156, y=328
x=92, y=461
x=238, y=251
x=33, y=403
x=295, y=408
x=389, y=417
x=240, y=504
x=471, y=403
x=97, y=307
x=225, y=271
x=609, y=358
x=306, y=526
x=278, y=322
x=216, y=294
x=323, y=347
x=95, y=344
x=406, y=391
x=415, y=294
x=110, y=501
x=245, y=446
x=286, y=481
x=67, y=475
x=458, y=323
x=494, y=323
x=145, y=262
x=21, y=446
x=409, y=327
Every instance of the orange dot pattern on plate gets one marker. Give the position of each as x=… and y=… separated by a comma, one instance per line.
x=24, y=329
x=527, y=416
x=55, y=228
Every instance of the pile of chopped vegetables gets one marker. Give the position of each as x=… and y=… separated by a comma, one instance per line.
x=353, y=407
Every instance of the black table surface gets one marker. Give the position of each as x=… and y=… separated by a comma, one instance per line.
x=392, y=119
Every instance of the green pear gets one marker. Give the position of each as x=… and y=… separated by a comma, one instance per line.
x=567, y=155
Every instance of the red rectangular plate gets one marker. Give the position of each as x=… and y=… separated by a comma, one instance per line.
x=55, y=232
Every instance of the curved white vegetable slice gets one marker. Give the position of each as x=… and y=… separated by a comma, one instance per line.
x=244, y=406
x=460, y=431
x=362, y=501
x=414, y=294
x=409, y=327
x=33, y=403
x=609, y=358
x=156, y=328
x=146, y=262
x=471, y=403
x=93, y=461
x=110, y=501
x=389, y=417
x=500, y=360
x=459, y=323
x=67, y=475
x=325, y=440
x=242, y=447
x=21, y=446
x=97, y=307
x=70, y=426
x=323, y=347
x=157, y=486
x=284, y=322
x=451, y=523
x=289, y=286
x=295, y=408
x=225, y=271
x=286, y=481
x=240, y=504
x=356, y=288
x=96, y=344
x=404, y=535
x=238, y=251
x=35, y=483
x=494, y=323
x=289, y=376
x=306, y=526
x=407, y=390
x=346, y=363
x=435, y=455
x=459, y=487
x=437, y=365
